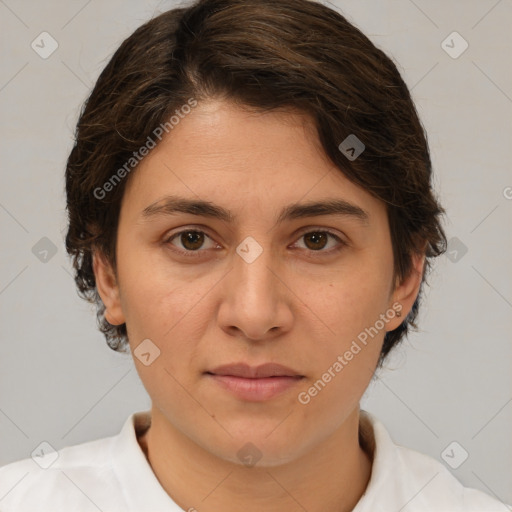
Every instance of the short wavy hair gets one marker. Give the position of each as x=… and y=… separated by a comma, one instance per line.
x=296, y=55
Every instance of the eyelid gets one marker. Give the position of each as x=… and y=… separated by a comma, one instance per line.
x=320, y=229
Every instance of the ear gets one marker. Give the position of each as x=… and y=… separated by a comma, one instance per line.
x=406, y=291
x=108, y=289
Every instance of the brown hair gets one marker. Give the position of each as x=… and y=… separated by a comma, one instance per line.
x=267, y=55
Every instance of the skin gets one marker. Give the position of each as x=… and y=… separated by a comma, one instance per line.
x=298, y=304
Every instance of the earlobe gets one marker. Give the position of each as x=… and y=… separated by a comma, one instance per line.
x=108, y=289
x=406, y=291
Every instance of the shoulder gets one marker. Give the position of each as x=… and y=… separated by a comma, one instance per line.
x=73, y=478
x=432, y=485
x=411, y=481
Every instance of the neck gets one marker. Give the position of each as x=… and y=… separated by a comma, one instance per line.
x=331, y=477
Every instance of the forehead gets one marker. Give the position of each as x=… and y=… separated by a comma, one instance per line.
x=243, y=160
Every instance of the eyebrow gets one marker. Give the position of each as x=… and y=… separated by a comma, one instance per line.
x=171, y=205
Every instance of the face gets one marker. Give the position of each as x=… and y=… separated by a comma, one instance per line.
x=255, y=276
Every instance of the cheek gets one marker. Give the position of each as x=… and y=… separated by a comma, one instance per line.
x=159, y=302
x=344, y=363
x=350, y=304
x=351, y=299
x=332, y=396
x=172, y=315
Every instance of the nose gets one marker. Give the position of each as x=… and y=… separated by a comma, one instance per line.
x=256, y=300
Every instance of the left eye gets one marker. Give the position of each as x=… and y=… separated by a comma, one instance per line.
x=318, y=240
x=192, y=240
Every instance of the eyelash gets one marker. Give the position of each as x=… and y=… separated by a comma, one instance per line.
x=313, y=254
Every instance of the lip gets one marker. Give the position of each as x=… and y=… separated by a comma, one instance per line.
x=255, y=383
x=255, y=372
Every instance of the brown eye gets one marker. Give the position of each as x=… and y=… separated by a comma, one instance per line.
x=320, y=243
x=192, y=240
x=316, y=240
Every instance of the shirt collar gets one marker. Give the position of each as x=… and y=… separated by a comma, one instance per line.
x=141, y=488
x=143, y=491
x=376, y=441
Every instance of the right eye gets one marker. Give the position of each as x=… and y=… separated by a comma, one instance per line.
x=191, y=241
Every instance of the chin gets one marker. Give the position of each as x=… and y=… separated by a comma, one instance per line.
x=258, y=447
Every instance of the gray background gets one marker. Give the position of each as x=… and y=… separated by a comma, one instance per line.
x=60, y=382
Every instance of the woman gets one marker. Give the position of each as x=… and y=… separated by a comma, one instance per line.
x=250, y=208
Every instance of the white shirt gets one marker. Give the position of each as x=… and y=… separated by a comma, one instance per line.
x=113, y=475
